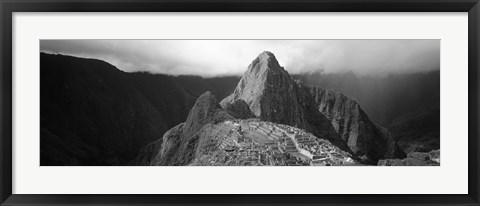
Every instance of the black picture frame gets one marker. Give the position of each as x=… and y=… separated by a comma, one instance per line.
x=8, y=7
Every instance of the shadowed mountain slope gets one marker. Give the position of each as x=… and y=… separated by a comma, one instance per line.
x=364, y=137
x=91, y=113
x=408, y=105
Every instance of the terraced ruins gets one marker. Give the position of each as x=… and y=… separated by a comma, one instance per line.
x=257, y=143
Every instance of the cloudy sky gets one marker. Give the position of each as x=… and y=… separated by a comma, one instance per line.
x=232, y=57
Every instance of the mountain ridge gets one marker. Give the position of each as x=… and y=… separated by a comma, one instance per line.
x=92, y=113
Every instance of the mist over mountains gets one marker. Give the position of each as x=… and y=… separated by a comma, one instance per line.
x=384, y=98
x=94, y=114
x=207, y=58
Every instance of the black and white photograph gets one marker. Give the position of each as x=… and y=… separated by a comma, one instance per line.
x=345, y=102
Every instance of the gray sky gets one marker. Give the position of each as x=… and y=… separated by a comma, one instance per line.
x=232, y=57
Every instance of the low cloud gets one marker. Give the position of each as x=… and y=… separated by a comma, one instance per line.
x=232, y=57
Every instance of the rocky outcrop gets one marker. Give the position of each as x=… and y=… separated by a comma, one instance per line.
x=272, y=95
x=206, y=110
x=239, y=109
x=168, y=152
x=431, y=158
x=179, y=144
x=352, y=124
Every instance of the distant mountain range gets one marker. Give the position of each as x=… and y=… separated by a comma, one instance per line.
x=94, y=114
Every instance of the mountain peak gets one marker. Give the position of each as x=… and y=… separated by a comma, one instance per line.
x=266, y=55
x=207, y=97
x=263, y=78
x=273, y=96
x=265, y=61
x=205, y=110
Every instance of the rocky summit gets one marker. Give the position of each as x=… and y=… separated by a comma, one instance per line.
x=272, y=95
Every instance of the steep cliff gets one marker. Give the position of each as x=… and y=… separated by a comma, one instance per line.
x=407, y=104
x=352, y=124
x=239, y=109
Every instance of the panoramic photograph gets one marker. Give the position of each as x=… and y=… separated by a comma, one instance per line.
x=240, y=102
